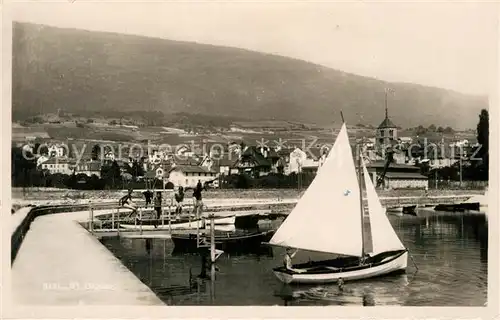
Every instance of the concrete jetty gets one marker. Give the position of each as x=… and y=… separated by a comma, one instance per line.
x=61, y=264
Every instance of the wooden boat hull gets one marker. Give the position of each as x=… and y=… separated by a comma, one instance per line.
x=227, y=242
x=221, y=227
x=394, y=262
x=411, y=210
x=222, y=220
x=247, y=222
x=175, y=225
x=460, y=207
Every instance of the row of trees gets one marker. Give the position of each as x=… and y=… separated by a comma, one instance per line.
x=432, y=128
x=24, y=173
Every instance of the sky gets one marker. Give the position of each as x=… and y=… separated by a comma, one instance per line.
x=446, y=44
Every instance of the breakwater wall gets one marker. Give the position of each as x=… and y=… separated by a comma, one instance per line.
x=280, y=206
x=22, y=219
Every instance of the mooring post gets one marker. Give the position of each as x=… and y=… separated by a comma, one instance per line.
x=212, y=239
x=140, y=219
x=112, y=220
x=91, y=211
x=212, y=282
x=170, y=219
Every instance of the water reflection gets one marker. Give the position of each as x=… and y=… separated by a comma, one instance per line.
x=449, y=249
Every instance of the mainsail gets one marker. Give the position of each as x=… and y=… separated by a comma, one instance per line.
x=384, y=238
x=328, y=216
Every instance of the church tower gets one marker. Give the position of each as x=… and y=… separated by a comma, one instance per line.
x=387, y=133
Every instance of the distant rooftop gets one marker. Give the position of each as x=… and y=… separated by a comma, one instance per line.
x=192, y=169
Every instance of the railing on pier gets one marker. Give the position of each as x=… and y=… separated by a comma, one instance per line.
x=112, y=221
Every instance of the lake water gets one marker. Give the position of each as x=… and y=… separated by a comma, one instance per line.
x=450, y=250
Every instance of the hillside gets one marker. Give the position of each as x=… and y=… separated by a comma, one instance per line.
x=76, y=70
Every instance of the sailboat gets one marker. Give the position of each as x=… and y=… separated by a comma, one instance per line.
x=330, y=218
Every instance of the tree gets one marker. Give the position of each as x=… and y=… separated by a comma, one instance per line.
x=43, y=150
x=420, y=130
x=432, y=128
x=136, y=170
x=22, y=166
x=111, y=174
x=483, y=138
x=448, y=130
x=96, y=152
x=440, y=129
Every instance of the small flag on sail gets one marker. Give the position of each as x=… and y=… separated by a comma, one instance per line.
x=347, y=192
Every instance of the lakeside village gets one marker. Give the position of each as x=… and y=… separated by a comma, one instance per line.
x=403, y=162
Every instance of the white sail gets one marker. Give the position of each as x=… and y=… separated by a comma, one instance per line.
x=384, y=238
x=327, y=218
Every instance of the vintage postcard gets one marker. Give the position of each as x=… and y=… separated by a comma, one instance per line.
x=287, y=159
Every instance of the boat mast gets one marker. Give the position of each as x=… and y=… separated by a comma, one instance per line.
x=360, y=198
x=361, y=206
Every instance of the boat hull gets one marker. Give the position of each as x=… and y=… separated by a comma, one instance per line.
x=461, y=207
x=247, y=222
x=221, y=227
x=227, y=242
x=173, y=225
x=396, y=263
x=223, y=220
x=411, y=210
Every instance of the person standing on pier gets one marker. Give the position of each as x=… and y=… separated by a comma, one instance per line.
x=198, y=204
x=179, y=198
x=126, y=202
x=148, y=195
x=157, y=204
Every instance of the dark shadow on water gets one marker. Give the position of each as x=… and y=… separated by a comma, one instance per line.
x=262, y=251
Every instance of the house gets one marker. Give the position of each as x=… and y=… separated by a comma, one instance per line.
x=180, y=160
x=398, y=176
x=188, y=176
x=221, y=164
x=156, y=156
x=184, y=151
x=55, y=165
x=253, y=162
x=405, y=140
x=442, y=157
x=56, y=150
x=296, y=160
x=299, y=160
x=109, y=155
x=89, y=168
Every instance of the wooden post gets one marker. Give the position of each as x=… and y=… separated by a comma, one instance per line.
x=91, y=225
x=212, y=282
x=435, y=178
x=197, y=231
x=170, y=219
x=212, y=239
x=112, y=220
x=162, y=219
x=460, y=170
x=135, y=222
x=140, y=219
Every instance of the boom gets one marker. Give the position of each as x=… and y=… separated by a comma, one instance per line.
x=388, y=159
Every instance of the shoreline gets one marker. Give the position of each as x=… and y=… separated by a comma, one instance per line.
x=72, y=195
